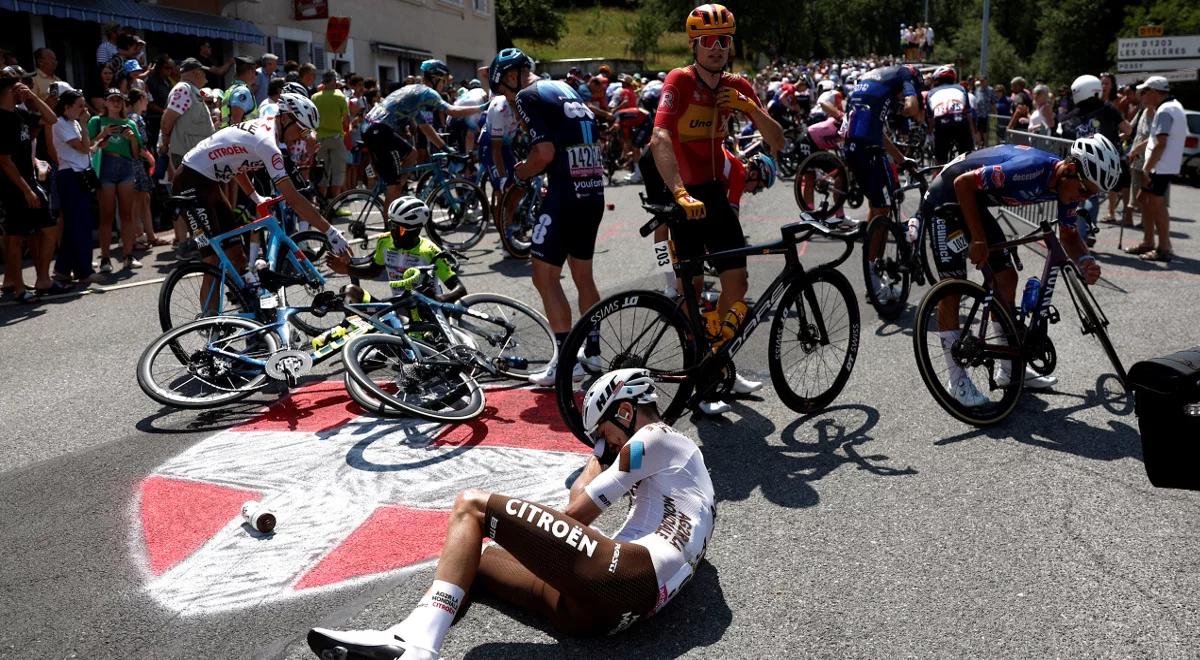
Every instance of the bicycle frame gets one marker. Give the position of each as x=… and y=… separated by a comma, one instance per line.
x=276, y=239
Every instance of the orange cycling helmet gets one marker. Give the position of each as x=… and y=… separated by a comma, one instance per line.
x=710, y=19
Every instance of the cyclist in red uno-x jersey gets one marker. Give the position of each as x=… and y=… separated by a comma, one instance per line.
x=689, y=131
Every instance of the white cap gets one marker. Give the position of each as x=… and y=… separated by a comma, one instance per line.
x=1157, y=83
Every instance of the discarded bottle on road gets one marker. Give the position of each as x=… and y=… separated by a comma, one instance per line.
x=258, y=517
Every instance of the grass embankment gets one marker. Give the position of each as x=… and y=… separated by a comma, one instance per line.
x=604, y=32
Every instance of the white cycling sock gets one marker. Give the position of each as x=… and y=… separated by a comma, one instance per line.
x=669, y=285
x=1003, y=367
x=947, y=339
x=426, y=626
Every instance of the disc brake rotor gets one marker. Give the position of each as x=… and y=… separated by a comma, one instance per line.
x=288, y=364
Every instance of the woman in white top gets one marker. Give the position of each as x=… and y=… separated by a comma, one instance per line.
x=1041, y=120
x=75, y=194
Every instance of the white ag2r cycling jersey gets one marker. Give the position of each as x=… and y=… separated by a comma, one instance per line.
x=673, y=509
x=237, y=150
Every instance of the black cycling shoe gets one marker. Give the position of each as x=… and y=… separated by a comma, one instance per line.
x=363, y=645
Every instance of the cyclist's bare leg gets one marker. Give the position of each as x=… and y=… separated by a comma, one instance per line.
x=585, y=284
x=734, y=285
x=554, y=299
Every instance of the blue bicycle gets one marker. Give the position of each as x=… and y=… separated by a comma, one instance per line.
x=295, y=273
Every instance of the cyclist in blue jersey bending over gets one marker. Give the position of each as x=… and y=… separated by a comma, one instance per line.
x=867, y=146
x=556, y=564
x=562, y=143
x=384, y=135
x=1010, y=175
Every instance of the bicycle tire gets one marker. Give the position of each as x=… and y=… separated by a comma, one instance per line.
x=464, y=207
x=195, y=361
x=316, y=246
x=925, y=256
x=926, y=324
x=517, y=249
x=831, y=180
x=882, y=268
x=361, y=206
x=617, y=354
x=531, y=339
x=806, y=289
x=1094, y=324
x=364, y=399
x=179, y=302
x=393, y=348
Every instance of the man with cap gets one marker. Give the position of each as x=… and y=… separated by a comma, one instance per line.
x=331, y=133
x=239, y=104
x=24, y=203
x=186, y=120
x=1164, y=157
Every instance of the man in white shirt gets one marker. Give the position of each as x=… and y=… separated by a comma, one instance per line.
x=1164, y=157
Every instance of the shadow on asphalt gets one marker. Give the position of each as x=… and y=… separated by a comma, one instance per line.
x=696, y=618
x=175, y=420
x=740, y=458
x=1056, y=430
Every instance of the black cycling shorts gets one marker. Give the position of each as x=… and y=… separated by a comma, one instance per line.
x=873, y=171
x=584, y=581
x=949, y=135
x=950, y=238
x=717, y=231
x=388, y=151
x=211, y=215
x=566, y=228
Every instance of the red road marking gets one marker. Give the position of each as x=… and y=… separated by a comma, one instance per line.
x=393, y=537
x=179, y=516
x=521, y=418
x=313, y=408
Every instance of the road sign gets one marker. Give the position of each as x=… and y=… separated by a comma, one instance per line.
x=1157, y=65
x=1178, y=75
x=1161, y=48
x=1150, y=31
x=356, y=498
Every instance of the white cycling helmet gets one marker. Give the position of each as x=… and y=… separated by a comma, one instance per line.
x=613, y=387
x=1098, y=159
x=826, y=85
x=1085, y=87
x=301, y=108
x=408, y=212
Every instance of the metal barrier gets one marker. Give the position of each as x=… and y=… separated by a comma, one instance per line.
x=1034, y=214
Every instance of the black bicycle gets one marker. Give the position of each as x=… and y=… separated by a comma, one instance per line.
x=890, y=262
x=812, y=347
x=989, y=346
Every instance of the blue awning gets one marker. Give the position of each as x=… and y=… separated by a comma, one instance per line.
x=143, y=17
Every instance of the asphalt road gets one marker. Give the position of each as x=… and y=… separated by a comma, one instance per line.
x=878, y=527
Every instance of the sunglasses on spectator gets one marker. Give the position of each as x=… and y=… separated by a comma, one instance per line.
x=719, y=41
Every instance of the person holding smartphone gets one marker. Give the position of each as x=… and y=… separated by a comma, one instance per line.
x=120, y=148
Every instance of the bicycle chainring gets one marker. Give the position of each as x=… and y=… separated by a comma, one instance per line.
x=1043, y=358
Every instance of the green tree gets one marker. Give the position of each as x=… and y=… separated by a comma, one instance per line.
x=963, y=45
x=1178, y=17
x=644, y=31
x=535, y=20
x=1077, y=37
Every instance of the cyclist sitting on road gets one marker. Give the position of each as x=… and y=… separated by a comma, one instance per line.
x=402, y=248
x=562, y=139
x=951, y=120
x=386, y=122
x=556, y=564
x=689, y=132
x=870, y=106
x=1010, y=175
x=231, y=154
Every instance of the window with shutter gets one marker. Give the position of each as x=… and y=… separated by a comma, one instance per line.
x=318, y=57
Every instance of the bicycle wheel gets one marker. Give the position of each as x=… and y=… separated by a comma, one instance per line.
x=515, y=227
x=979, y=347
x=359, y=394
x=822, y=177
x=925, y=254
x=360, y=210
x=315, y=246
x=887, y=281
x=400, y=373
x=529, y=342
x=459, y=214
x=204, y=378
x=197, y=289
x=636, y=329
x=814, y=340
x=1094, y=321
